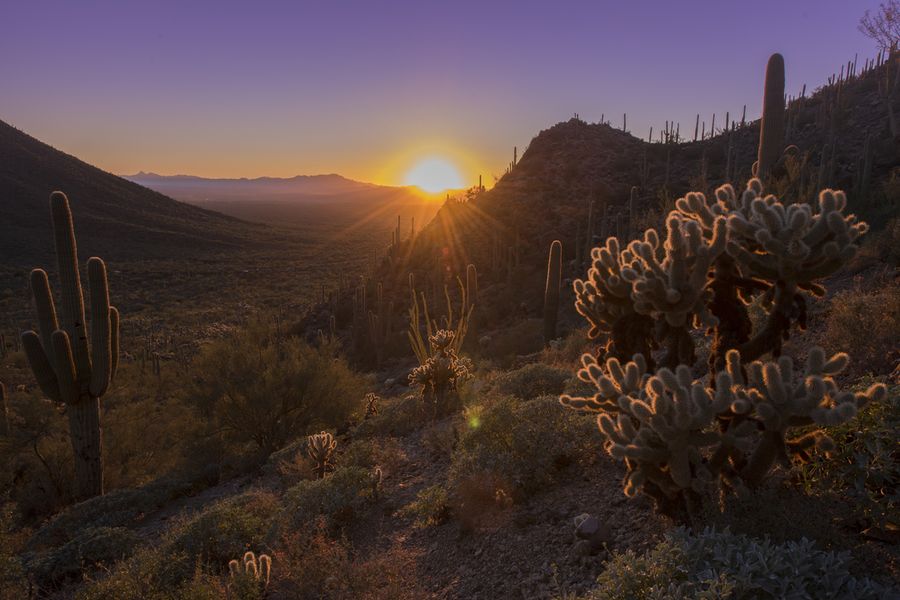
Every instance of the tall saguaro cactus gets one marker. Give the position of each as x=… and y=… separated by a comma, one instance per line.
x=66, y=368
x=771, y=127
x=551, y=291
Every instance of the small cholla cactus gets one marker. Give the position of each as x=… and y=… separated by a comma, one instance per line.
x=321, y=450
x=377, y=478
x=372, y=401
x=441, y=373
x=250, y=572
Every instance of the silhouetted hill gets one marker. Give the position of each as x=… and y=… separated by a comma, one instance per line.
x=114, y=218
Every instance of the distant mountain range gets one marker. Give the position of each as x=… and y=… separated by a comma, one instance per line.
x=190, y=188
x=299, y=202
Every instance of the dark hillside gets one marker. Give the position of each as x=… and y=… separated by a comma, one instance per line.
x=116, y=219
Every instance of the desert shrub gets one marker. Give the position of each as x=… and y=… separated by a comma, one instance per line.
x=226, y=529
x=13, y=581
x=533, y=380
x=92, y=547
x=384, y=452
x=152, y=575
x=336, y=497
x=867, y=326
x=38, y=457
x=148, y=430
x=318, y=565
x=865, y=464
x=116, y=509
x=262, y=388
x=441, y=438
x=682, y=437
x=192, y=553
x=397, y=416
x=521, y=444
x=520, y=338
x=431, y=506
x=724, y=565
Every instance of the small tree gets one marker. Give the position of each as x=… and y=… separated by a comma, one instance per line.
x=678, y=435
x=257, y=386
x=884, y=26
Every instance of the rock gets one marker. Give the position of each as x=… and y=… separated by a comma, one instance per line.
x=586, y=526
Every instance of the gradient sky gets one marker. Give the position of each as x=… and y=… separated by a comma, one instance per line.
x=231, y=89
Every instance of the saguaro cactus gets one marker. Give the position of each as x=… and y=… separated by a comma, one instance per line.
x=771, y=127
x=66, y=369
x=551, y=291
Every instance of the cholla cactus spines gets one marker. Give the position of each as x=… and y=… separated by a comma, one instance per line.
x=678, y=436
x=613, y=382
x=320, y=449
x=251, y=570
x=371, y=399
x=604, y=299
x=673, y=290
x=551, y=291
x=771, y=127
x=779, y=401
x=776, y=250
x=66, y=368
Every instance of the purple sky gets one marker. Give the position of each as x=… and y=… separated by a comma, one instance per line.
x=364, y=88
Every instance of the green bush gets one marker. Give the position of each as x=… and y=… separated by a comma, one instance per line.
x=92, y=547
x=337, y=497
x=867, y=327
x=865, y=464
x=431, y=506
x=715, y=565
x=192, y=553
x=519, y=446
x=533, y=380
x=115, y=509
x=396, y=417
x=262, y=388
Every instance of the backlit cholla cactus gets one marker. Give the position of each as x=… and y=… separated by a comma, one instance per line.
x=320, y=448
x=442, y=372
x=250, y=574
x=371, y=399
x=680, y=436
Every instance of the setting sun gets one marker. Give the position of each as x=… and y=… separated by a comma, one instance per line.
x=434, y=175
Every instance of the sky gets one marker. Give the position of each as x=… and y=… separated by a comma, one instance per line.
x=369, y=88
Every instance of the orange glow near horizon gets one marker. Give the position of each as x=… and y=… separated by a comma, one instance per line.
x=434, y=175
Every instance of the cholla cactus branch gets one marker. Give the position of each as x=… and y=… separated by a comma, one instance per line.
x=320, y=449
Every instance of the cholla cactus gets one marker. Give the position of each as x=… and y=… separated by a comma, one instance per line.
x=320, y=448
x=372, y=399
x=442, y=372
x=678, y=435
x=250, y=572
x=377, y=479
